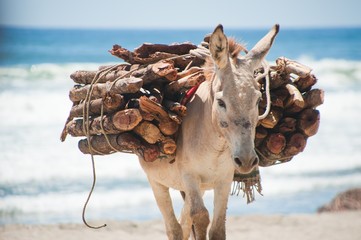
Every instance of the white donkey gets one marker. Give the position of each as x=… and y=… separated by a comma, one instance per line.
x=216, y=138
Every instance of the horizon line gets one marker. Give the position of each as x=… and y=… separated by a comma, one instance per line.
x=165, y=28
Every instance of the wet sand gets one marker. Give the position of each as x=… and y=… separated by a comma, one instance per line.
x=330, y=226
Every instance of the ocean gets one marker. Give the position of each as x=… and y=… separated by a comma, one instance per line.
x=43, y=180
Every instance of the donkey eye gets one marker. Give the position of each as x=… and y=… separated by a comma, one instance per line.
x=221, y=103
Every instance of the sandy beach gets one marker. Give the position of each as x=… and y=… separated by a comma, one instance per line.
x=340, y=225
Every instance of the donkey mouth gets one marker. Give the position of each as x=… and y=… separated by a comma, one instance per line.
x=246, y=165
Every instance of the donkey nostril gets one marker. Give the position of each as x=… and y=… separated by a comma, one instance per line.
x=255, y=161
x=238, y=161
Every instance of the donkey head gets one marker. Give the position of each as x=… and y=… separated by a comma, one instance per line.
x=236, y=95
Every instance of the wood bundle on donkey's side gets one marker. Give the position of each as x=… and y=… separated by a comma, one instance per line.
x=198, y=118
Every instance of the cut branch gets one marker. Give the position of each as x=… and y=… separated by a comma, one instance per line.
x=126, y=85
x=118, y=122
x=166, y=125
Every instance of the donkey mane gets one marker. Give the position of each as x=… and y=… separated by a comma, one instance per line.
x=234, y=50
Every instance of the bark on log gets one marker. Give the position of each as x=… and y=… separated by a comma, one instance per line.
x=294, y=102
x=261, y=134
x=110, y=104
x=313, y=98
x=309, y=122
x=304, y=84
x=151, y=53
x=184, y=83
x=175, y=117
x=121, y=121
x=146, y=49
x=157, y=92
x=295, y=144
x=149, y=132
x=122, y=67
x=275, y=143
x=86, y=77
x=168, y=146
x=166, y=125
x=126, y=85
x=272, y=118
x=163, y=68
x=176, y=107
x=278, y=79
x=124, y=142
x=287, y=125
x=291, y=66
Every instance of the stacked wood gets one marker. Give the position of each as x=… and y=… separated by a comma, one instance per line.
x=134, y=106
x=293, y=117
x=138, y=106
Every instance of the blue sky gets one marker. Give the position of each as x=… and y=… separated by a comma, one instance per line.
x=179, y=14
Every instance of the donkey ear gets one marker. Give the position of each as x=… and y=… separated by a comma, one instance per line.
x=260, y=50
x=218, y=46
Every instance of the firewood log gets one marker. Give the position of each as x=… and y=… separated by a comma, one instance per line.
x=168, y=146
x=121, y=142
x=295, y=144
x=123, y=67
x=276, y=101
x=151, y=53
x=304, y=84
x=309, y=121
x=289, y=66
x=175, y=117
x=166, y=125
x=110, y=104
x=147, y=49
x=278, y=79
x=86, y=77
x=163, y=68
x=313, y=98
x=126, y=85
x=124, y=142
x=294, y=102
x=184, y=83
x=287, y=125
x=120, y=121
x=156, y=92
x=175, y=107
x=275, y=143
x=272, y=118
x=261, y=134
x=149, y=132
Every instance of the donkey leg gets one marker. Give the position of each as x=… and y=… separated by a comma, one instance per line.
x=164, y=202
x=185, y=219
x=218, y=227
x=198, y=211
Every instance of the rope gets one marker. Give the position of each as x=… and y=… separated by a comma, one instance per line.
x=267, y=90
x=102, y=128
x=86, y=130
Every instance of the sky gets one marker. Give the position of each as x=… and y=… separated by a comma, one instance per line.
x=171, y=14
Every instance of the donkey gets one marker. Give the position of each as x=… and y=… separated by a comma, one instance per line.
x=215, y=140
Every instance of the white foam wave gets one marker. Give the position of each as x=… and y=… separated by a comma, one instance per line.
x=335, y=74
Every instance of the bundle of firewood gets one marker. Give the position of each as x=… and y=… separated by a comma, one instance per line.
x=138, y=106
x=293, y=116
